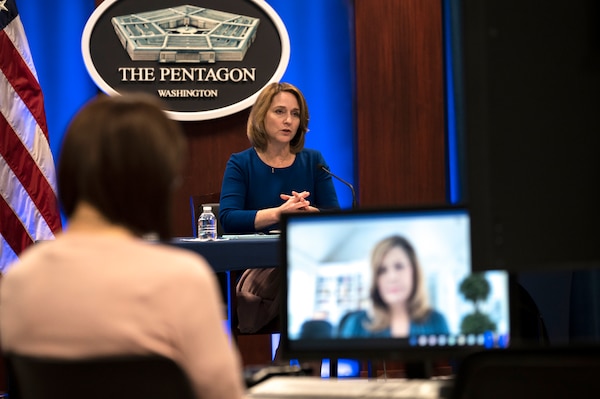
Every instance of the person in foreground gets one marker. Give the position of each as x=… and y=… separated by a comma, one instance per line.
x=399, y=300
x=100, y=288
x=275, y=175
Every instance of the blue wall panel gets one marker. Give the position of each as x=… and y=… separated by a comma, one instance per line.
x=53, y=29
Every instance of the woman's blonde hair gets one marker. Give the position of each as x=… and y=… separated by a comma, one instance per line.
x=418, y=303
x=256, y=121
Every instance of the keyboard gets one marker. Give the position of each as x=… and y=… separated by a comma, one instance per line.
x=305, y=387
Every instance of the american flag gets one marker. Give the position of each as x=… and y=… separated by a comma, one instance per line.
x=28, y=202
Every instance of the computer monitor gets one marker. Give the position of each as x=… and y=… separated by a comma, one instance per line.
x=335, y=300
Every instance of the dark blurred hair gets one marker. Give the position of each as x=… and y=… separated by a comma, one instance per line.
x=256, y=121
x=124, y=156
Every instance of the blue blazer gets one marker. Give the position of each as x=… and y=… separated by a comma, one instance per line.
x=249, y=185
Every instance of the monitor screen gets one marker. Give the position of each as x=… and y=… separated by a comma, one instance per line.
x=388, y=283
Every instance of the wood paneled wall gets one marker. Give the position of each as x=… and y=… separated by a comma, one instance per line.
x=210, y=144
x=400, y=102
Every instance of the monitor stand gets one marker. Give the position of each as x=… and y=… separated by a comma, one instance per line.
x=419, y=370
x=412, y=370
x=333, y=368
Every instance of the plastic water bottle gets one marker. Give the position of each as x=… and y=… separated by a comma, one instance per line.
x=207, y=225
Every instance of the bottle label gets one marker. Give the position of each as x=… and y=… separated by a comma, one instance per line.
x=207, y=227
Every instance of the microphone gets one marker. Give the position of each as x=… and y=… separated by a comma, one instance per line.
x=323, y=168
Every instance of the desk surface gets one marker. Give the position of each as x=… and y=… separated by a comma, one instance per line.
x=235, y=253
x=305, y=387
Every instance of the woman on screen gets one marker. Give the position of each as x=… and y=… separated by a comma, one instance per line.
x=399, y=303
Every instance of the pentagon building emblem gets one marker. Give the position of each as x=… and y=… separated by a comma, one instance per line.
x=186, y=34
x=204, y=60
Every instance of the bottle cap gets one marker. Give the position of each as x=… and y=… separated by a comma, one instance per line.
x=207, y=208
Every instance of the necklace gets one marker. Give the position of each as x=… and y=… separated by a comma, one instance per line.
x=277, y=162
